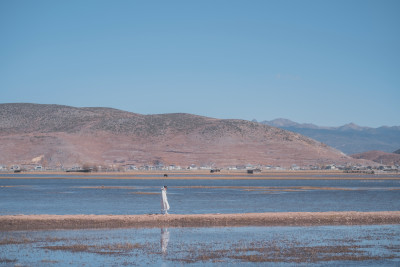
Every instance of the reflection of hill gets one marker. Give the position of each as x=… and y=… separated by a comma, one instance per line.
x=67, y=135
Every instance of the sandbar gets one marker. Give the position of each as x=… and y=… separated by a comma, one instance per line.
x=82, y=221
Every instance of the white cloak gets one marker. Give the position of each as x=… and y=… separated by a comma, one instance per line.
x=164, y=200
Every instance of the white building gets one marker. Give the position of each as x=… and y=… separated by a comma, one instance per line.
x=38, y=168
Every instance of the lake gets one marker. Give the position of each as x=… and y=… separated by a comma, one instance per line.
x=362, y=245
x=142, y=196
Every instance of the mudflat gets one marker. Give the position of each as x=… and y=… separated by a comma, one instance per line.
x=45, y=222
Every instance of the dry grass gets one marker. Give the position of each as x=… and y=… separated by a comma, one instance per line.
x=268, y=188
x=16, y=241
x=272, y=251
x=106, y=187
x=49, y=261
x=6, y=260
x=118, y=248
x=145, y=193
x=27, y=240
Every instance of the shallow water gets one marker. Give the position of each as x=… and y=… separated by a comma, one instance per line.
x=279, y=246
x=123, y=196
x=364, y=245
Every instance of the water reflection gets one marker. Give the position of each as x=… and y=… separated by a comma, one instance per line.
x=164, y=240
x=366, y=245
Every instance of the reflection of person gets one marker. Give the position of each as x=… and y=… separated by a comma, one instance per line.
x=164, y=200
x=164, y=240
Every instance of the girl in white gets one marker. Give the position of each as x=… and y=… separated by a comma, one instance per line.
x=164, y=200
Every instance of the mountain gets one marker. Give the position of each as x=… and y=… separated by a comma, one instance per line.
x=349, y=138
x=379, y=157
x=54, y=135
x=281, y=123
x=397, y=151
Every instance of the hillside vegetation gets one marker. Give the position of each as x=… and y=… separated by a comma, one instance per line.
x=57, y=135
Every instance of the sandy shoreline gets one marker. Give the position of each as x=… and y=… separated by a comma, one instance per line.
x=46, y=222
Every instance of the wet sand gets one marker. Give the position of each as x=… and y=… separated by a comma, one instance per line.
x=46, y=222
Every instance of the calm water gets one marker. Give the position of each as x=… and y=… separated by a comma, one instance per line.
x=119, y=196
x=365, y=245
x=368, y=245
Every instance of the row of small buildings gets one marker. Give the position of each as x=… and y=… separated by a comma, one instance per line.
x=130, y=167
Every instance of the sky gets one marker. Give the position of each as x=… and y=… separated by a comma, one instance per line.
x=322, y=62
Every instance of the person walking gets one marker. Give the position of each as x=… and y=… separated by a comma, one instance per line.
x=164, y=200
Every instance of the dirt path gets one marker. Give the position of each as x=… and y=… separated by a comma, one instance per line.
x=37, y=222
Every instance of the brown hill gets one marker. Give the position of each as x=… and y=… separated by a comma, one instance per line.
x=379, y=157
x=56, y=135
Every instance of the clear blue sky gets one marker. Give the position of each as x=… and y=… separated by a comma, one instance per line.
x=323, y=62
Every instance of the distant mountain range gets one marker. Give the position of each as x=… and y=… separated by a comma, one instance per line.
x=349, y=138
x=54, y=135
